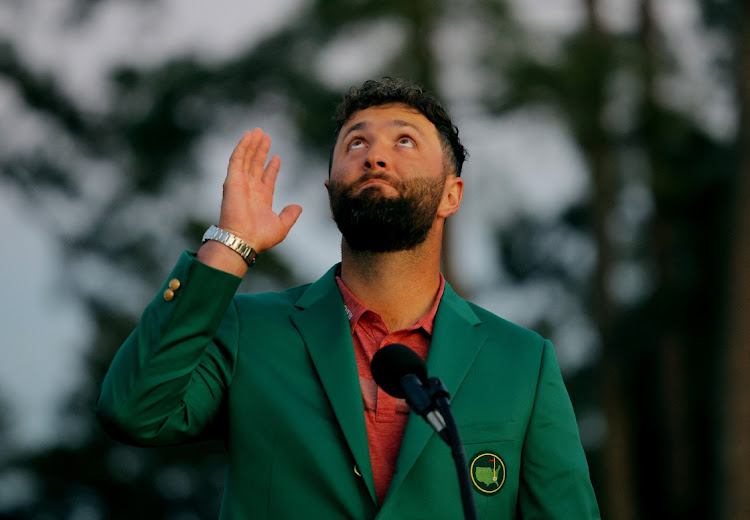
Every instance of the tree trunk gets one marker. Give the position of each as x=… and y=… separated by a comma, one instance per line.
x=737, y=451
x=618, y=497
x=669, y=399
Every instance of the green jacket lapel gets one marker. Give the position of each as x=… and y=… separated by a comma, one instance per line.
x=322, y=322
x=456, y=341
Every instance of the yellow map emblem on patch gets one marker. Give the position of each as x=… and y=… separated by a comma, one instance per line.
x=487, y=472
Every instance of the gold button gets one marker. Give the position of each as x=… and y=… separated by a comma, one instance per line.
x=356, y=471
x=174, y=284
x=168, y=294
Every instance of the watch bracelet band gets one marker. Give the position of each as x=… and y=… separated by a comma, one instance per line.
x=233, y=242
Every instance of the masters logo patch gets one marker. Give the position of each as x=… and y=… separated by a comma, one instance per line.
x=487, y=472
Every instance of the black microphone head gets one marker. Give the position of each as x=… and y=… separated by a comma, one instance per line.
x=391, y=363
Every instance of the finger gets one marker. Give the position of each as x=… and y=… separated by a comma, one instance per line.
x=258, y=159
x=237, y=158
x=271, y=171
x=289, y=216
x=251, y=148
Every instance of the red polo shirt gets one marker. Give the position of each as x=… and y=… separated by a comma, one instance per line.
x=385, y=416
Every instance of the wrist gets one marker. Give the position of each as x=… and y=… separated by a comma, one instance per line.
x=220, y=257
x=231, y=241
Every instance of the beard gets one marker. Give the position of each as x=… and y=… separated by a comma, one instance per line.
x=373, y=222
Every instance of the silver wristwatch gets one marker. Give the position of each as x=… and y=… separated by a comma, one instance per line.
x=233, y=242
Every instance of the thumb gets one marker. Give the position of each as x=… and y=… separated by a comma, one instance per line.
x=289, y=215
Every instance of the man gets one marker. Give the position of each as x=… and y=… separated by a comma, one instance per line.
x=284, y=378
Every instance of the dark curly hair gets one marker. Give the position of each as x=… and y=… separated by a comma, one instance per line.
x=394, y=90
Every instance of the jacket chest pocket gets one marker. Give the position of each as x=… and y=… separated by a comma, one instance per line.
x=493, y=454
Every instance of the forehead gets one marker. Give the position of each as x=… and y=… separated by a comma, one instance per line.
x=390, y=115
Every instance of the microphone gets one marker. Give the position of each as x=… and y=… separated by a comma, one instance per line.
x=391, y=363
x=400, y=372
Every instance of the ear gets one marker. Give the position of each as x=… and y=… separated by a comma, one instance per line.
x=452, y=194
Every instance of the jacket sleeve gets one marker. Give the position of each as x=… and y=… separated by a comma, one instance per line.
x=555, y=482
x=167, y=381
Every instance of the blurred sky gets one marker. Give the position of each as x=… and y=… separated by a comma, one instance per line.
x=524, y=163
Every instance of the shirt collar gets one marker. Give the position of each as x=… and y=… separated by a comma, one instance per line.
x=355, y=309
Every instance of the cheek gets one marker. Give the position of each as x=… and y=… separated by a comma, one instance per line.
x=340, y=155
x=431, y=164
x=342, y=165
x=338, y=174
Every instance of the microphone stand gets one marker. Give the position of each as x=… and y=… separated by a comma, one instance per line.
x=431, y=400
x=440, y=396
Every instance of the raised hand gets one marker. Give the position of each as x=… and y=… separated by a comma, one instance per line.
x=246, y=208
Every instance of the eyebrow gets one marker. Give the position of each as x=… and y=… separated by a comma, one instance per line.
x=362, y=125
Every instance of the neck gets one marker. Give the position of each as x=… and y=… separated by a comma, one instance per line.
x=400, y=286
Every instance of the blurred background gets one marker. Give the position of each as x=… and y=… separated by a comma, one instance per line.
x=607, y=206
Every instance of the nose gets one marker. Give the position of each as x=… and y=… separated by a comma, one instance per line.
x=376, y=157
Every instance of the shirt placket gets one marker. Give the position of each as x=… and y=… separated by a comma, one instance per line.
x=386, y=406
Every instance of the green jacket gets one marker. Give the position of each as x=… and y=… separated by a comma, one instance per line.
x=274, y=375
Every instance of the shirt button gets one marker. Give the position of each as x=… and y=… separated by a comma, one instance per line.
x=168, y=294
x=174, y=284
x=356, y=471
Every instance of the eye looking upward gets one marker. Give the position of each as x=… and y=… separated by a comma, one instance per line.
x=356, y=143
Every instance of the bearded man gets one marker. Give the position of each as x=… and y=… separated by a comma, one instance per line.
x=284, y=378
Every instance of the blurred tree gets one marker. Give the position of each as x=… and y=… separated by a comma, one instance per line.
x=736, y=454
x=689, y=174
